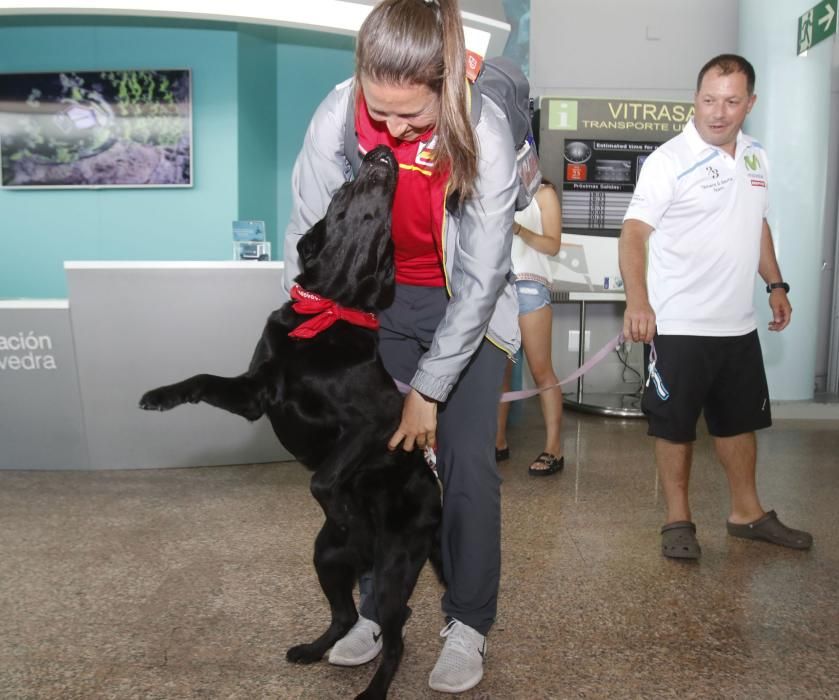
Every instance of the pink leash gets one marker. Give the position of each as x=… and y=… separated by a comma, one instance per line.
x=527, y=393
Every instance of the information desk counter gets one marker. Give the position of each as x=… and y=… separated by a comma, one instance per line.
x=72, y=371
x=41, y=424
x=140, y=325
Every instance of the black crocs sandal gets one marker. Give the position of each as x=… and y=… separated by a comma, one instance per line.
x=769, y=529
x=552, y=465
x=678, y=540
x=502, y=454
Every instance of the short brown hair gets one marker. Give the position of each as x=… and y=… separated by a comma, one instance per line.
x=728, y=63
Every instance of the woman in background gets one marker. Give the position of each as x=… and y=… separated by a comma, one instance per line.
x=538, y=229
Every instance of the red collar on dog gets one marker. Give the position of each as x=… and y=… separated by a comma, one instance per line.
x=328, y=312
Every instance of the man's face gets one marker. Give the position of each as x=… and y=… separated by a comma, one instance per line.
x=722, y=103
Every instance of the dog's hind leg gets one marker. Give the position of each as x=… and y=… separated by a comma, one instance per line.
x=337, y=575
x=399, y=561
x=242, y=395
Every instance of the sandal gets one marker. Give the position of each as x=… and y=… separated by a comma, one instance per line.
x=552, y=465
x=769, y=529
x=678, y=540
x=502, y=454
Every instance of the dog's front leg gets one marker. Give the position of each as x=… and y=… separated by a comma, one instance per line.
x=242, y=395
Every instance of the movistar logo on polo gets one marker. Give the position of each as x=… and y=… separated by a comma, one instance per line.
x=753, y=170
x=425, y=153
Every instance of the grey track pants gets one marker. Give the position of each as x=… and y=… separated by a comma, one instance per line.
x=466, y=425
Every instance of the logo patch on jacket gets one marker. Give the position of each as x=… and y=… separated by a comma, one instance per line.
x=425, y=153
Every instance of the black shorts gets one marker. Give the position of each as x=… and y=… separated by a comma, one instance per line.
x=724, y=377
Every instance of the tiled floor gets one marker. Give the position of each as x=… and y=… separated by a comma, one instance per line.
x=192, y=583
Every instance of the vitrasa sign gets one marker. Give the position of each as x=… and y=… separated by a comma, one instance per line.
x=26, y=351
x=630, y=119
x=593, y=151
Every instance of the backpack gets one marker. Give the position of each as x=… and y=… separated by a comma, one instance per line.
x=502, y=81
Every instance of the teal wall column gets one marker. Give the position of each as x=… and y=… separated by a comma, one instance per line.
x=791, y=119
x=257, y=124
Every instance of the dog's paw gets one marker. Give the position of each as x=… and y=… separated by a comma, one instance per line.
x=303, y=654
x=159, y=400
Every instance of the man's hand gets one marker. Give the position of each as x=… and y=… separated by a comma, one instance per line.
x=781, y=310
x=419, y=423
x=639, y=323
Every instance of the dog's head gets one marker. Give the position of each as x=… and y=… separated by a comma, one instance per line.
x=348, y=255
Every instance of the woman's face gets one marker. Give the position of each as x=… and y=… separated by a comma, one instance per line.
x=408, y=111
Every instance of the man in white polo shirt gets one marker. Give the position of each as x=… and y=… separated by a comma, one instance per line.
x=701, y=204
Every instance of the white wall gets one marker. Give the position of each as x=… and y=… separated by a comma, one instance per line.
x=615, y=48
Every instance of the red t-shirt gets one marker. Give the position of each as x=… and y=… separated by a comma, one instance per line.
x=419, y=203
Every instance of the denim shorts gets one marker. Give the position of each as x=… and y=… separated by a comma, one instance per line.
x=532, y=296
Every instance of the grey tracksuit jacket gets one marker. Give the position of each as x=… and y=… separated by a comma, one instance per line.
x=476, y=239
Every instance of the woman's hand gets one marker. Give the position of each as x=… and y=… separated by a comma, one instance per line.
x=419, y=423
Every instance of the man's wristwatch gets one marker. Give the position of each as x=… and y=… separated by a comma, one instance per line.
x=777, y=285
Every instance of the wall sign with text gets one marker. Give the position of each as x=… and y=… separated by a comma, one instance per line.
x=593, y=150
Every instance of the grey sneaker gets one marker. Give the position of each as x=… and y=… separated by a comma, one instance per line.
x=358, y=646
x=461, y=663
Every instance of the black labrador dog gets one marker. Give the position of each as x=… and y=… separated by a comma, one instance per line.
x=321, y=382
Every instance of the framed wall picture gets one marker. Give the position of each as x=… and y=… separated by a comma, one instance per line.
x=96, y=129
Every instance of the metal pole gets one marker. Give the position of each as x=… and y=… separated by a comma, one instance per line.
x=581, y=351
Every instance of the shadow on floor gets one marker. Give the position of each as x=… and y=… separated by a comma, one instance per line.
x=191, y=583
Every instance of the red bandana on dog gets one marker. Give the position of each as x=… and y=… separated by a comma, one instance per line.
x=328, y=312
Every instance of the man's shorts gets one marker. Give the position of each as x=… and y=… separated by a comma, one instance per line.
x=532, y=296
x=722, y=377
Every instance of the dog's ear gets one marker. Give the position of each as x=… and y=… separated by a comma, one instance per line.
x=310, y=245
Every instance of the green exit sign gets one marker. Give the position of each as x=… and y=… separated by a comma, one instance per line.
x=816, y=25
